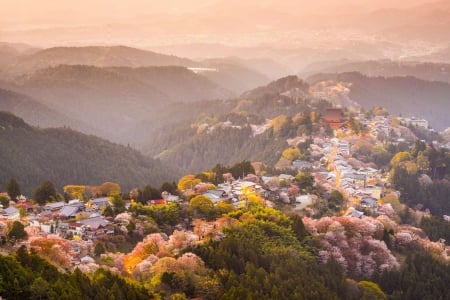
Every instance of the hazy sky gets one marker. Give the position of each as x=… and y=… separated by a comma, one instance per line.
x=64, y=12
x=149, y=23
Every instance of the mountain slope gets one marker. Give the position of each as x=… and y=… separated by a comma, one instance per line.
x=64, y=156
x=36, y=113
x=230, y=131
x=103, y=99
x=275, y=88
x=178, y=83
x=7, y=54
x=112, y=99
x=259, y=101
x=388, y=68
x=96, y=56
x=10, y=54
x=407, y=96
x=234, y=75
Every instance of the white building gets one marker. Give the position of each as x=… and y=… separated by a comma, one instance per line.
x=414, y=122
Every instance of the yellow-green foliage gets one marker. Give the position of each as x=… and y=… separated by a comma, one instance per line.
x=278, y=122
x=400, y=157
x=201, y=204
x=371, y=291
x=75, y=191
x=394, y=201
x=223, y=207
x=188, y=182
x=292, y=153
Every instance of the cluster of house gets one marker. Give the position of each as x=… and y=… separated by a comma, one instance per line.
x=414, y=121
x=361, y=186
x=12, y=212
x=330, y=167
x=380, y=126
x=75, y=219
x=205, y=127
x=235, y=191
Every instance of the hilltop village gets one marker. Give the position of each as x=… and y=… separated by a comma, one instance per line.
x=340, y=186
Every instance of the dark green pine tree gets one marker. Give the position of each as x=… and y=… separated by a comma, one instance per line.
x=13, y=189
x=45, y=192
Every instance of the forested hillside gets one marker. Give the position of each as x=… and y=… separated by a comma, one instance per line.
x=254, y=127
x=178, y=83
x=407, y=96
x=95, y=56
x=113, y=99
x=387, y=68
x=63, y=156
x=36, y=113
x=194, y=152
x=28, y=276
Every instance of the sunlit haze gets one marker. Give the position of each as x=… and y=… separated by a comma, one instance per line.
x=224, y=149
x=237, y=23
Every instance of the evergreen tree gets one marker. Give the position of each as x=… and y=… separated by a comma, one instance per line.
x=150, y=193
x=17, y=231
x=39, y=288
x=45, y=192
x=298, y=227
x=118, y=203
x=13, y=189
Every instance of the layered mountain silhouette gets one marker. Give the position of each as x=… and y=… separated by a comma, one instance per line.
x=111, y=99
x=101, y=56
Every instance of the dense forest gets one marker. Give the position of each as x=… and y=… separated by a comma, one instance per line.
x=28, y=276
x=230, y=138
x=257, y=252
x=419, y=176
x=63, y=156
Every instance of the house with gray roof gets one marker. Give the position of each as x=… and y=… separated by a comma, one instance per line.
x=369, y=202
x=11, y=213
x=54, y=206
x=69, y=211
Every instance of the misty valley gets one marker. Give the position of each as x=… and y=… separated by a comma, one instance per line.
x=225, y=150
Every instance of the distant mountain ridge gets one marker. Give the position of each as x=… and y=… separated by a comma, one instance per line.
x=112, y=89
x=111, y=99
x=100, y=56
x=388, y=68
x=179, y=83
x=235, y=75
x=63, y=156
x=407, y=96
